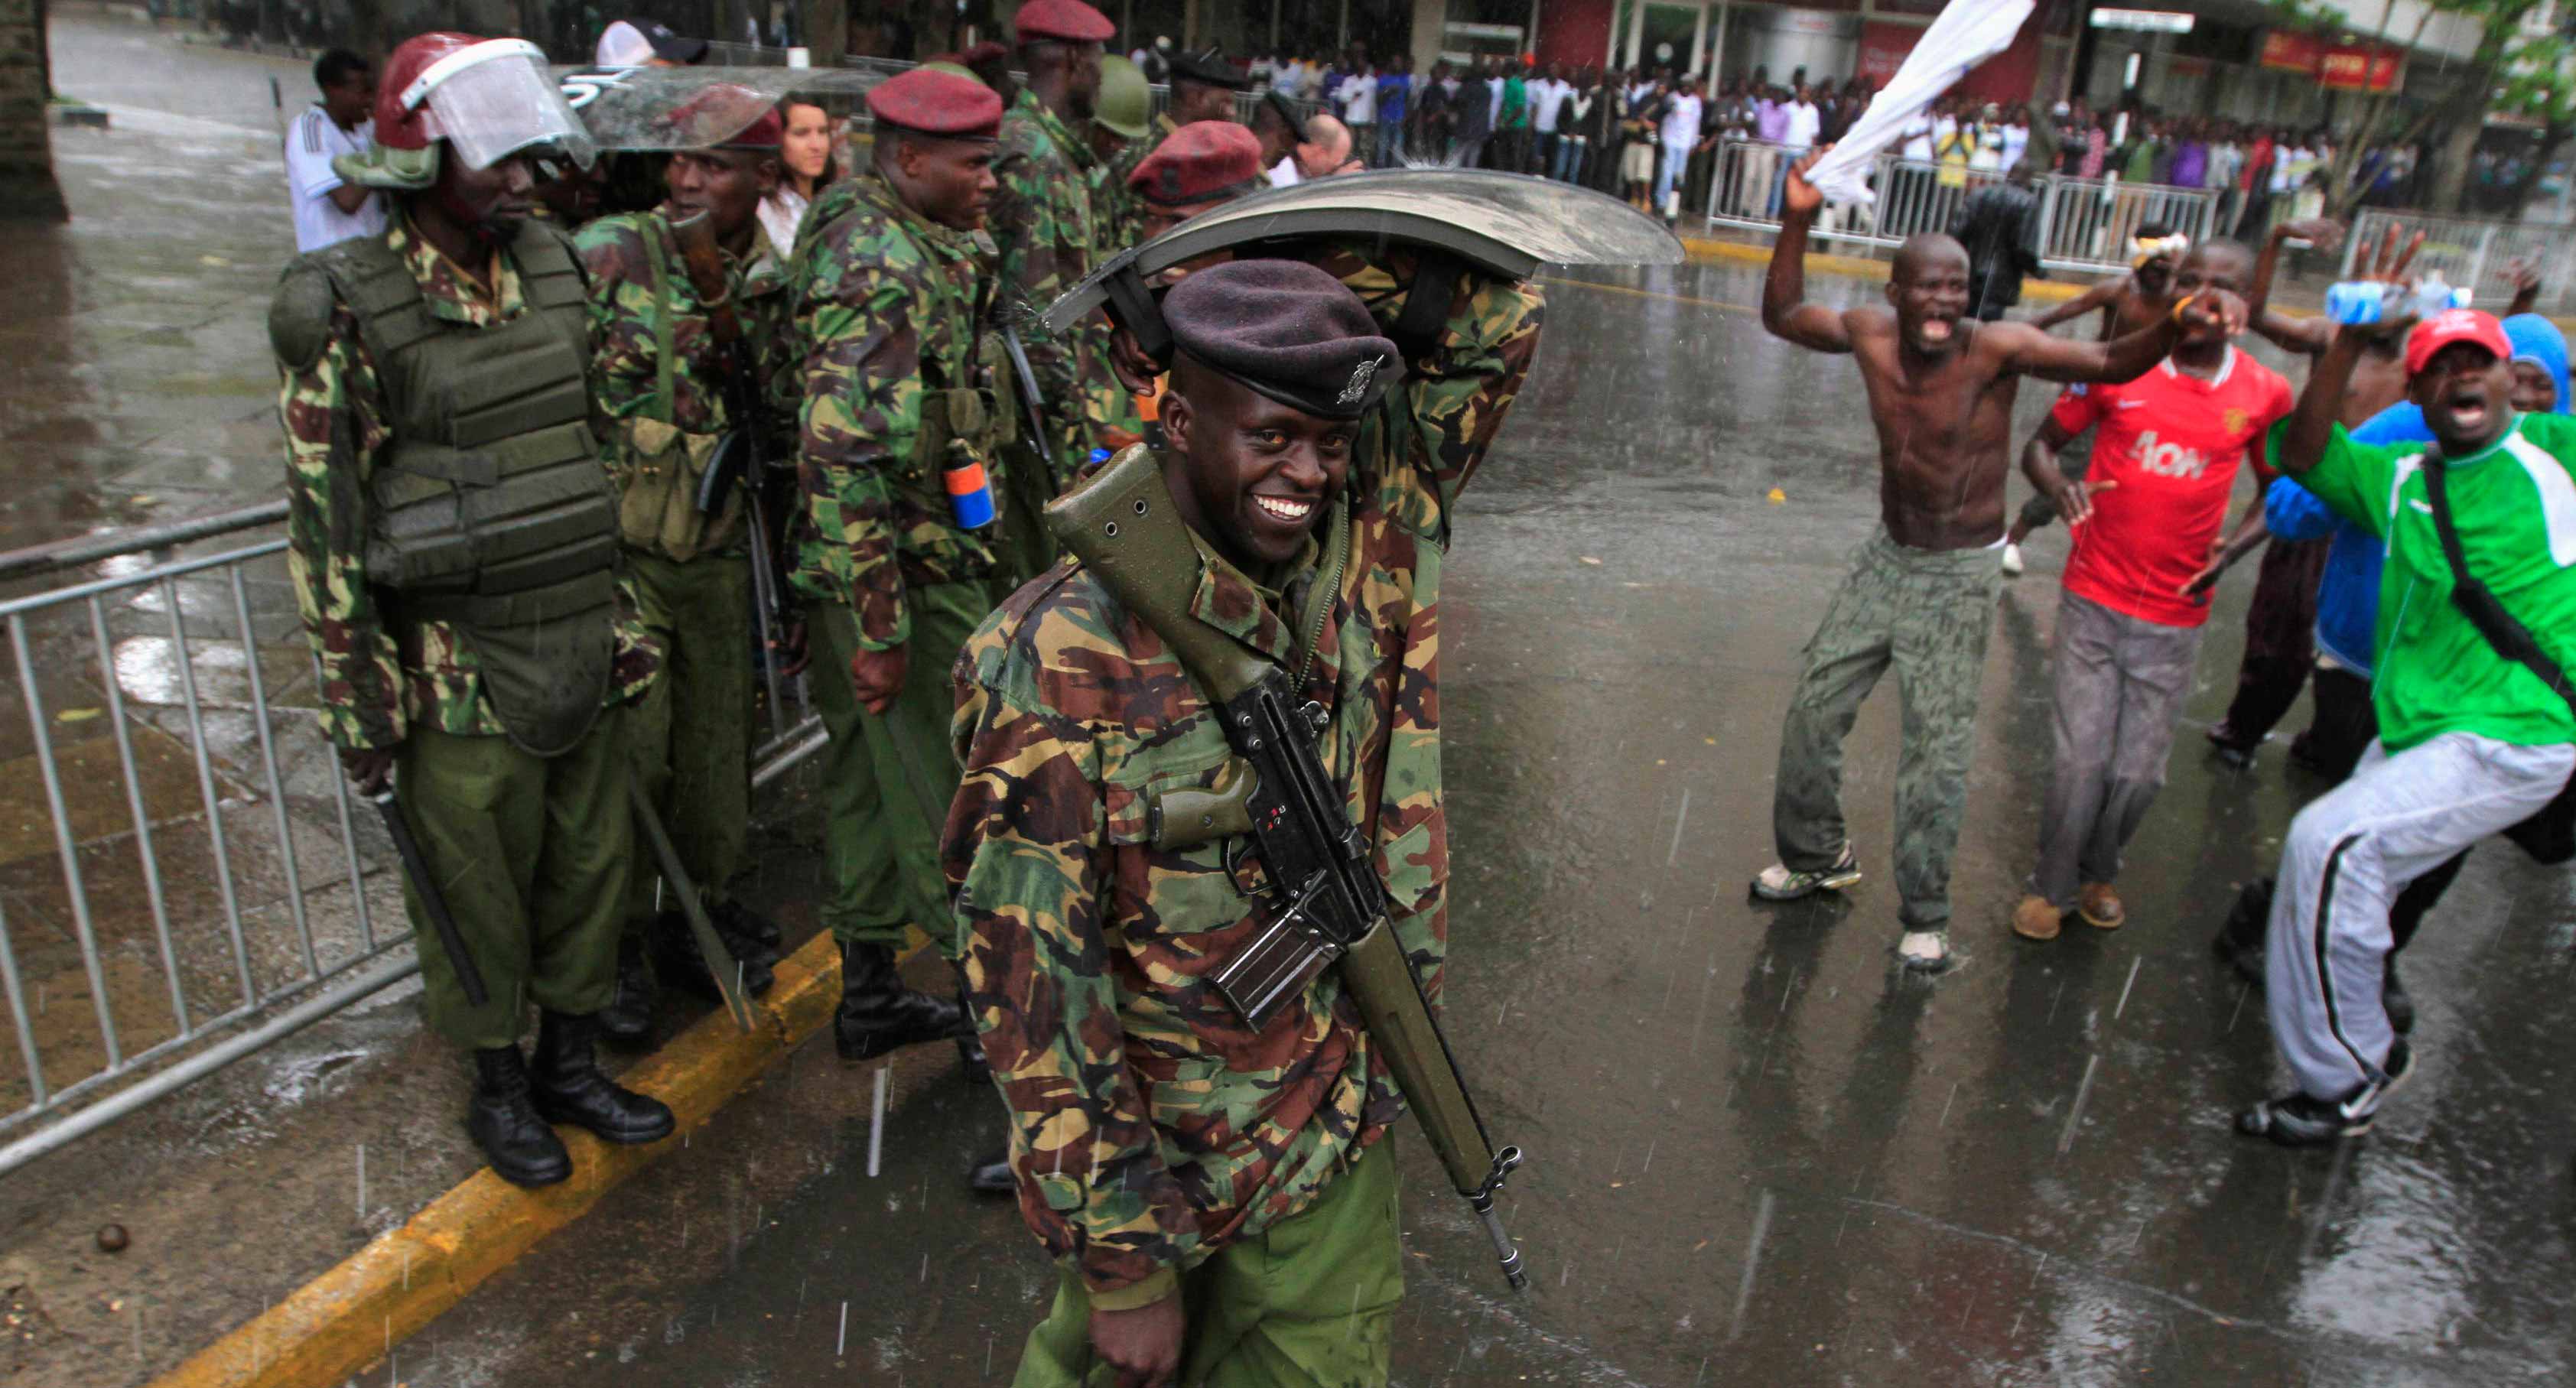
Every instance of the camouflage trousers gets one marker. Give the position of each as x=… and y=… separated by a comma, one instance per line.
x=1926, y=613
x=888, y=780
x=1306, y=1303
x=690, y=734
x=2119, y=682
x=531, y=856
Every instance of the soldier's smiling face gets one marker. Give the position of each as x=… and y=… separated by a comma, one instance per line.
x=1251, y=475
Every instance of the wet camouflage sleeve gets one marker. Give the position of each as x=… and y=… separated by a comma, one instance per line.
x=333, y=432
x=1026, y=845
x=625, y=329
x=1460, y=392
x=860, y=417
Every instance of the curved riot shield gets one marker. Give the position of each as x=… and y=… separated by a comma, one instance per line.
x=659, y=109
x=1501, y=224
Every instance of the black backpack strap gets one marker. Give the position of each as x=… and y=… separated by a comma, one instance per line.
x=2511, y=639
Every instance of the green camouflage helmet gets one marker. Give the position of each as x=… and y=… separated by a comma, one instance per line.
x=1124, y=103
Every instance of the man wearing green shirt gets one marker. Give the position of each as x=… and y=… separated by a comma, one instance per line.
x=2470, y=742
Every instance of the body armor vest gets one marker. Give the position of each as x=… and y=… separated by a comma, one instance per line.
x=490, y=510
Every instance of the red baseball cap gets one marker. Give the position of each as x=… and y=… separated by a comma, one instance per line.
x=2454, y=325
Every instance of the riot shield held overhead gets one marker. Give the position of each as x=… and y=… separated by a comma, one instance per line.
x=1502, y=224
x=659, y=109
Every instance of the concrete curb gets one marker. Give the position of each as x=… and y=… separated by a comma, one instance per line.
x=352, y=1315
x=1863, y=267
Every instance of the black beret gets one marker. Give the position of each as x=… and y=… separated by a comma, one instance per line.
x=1287, y=330
x=1211, y=69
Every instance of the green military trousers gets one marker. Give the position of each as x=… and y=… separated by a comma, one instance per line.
x=690, y=734
x=888, y=780
x=1308, y=1301
x=530, y=854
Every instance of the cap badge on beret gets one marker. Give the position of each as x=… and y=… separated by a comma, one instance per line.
x=1361, y=375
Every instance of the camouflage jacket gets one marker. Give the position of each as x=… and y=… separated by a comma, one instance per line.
x=629, y=315
x=380, y=677
x=884, y=305
x=1043, y=221
x=1149, y=1128
x=1118, y=216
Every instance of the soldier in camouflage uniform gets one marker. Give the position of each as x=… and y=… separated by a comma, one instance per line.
x=1044, y=224
x=481, y=657
x=1203, y=88
x=658, y=391
x=883, y=288
x=1202, y=1184
x=1117, y=146
x=1204, y=167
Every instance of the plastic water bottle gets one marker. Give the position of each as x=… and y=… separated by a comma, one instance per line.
x=2355, y=301
x=2368, y=301
x=2434, y=296
x=970, y=492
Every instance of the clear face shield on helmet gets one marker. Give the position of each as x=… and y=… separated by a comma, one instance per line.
x=497, y=99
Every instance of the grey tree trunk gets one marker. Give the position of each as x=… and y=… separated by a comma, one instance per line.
x=27, y=187
x=2453, y=158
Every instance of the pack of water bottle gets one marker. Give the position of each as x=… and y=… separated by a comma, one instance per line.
x=2369, y=301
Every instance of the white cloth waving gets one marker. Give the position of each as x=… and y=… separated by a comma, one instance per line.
x=1967, y=33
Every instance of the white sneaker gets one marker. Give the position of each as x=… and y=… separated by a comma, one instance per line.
x=2012, y=560
x=1924, y=951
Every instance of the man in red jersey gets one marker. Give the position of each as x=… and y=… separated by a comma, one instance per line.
x=2146, y=525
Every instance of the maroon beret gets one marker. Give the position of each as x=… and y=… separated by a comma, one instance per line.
x=1287, y=330
x=938, y=103
x=1204, y=161
x=984, y=52
x=1063, y=21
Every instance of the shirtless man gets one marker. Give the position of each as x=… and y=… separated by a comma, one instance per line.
x=1921, y=595
x=2129, y=303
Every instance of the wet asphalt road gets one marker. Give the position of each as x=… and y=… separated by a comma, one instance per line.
x=1758, y=1153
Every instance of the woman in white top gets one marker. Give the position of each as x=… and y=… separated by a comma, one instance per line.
x=806, y=167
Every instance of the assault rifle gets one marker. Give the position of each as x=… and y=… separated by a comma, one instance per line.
x=1326, y=906
x=743, y=456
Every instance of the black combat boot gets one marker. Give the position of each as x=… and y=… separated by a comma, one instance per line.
x=879, y=1014
x=976, y=1070
x=973, y=1067
x=568, y=1087
x=735, y=919
x=628, y=1018
x=504, y=1123
x=676, y=959
x=992, y=1175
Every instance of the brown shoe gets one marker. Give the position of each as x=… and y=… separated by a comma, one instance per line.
x=2035, y=919
x=2100, y=906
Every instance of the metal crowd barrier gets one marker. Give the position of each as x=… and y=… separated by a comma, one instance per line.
x=2475, y=253
x=2086, y=222
x=185, y=880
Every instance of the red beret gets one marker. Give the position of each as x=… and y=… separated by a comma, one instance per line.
x=1204, y=161
x=938, y=103
x=1065, y=21
x=726, y=115
x=768, y=132
x=984, y=52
